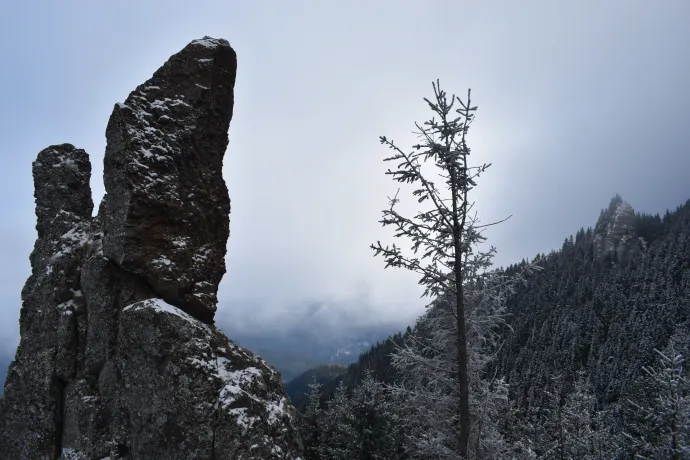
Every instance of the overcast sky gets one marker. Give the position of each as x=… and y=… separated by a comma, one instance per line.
x=577, y=101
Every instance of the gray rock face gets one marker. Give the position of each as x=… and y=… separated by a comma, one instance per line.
x=615, y=234
x=31, y=404
x=166, y=209
x=118, y=356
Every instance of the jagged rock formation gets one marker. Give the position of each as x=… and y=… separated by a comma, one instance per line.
x=166, y=212
x=615, y=235
x=119, y=358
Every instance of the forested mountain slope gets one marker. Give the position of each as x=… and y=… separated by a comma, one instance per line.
x=376, y=360
x=602, y=303
x=578, y=358
x=589, y=308
x=324, y=374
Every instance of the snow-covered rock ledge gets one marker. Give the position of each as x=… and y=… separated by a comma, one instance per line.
x=202, y=391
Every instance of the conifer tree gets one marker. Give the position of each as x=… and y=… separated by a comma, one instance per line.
x=339, y=441
x=580, y=435
x=373, y=423
x=447, y=232
x=311, y=422
x=665, y=430
x=426, y=363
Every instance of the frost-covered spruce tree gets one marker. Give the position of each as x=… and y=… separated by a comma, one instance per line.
x=547, y=433
x=339, y=439
x=569, y=427
x=311, y=423
x=373, y=420
x=582, y=438
x=427, y=363
x=446, y=231
x=360, y=426
x=444, y=239
x=665, y=432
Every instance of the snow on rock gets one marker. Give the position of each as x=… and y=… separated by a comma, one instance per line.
x=118, y=355
x=160, y=305
x=51, y=300
x=208, y=42
x=196, y=382
x=166, y=143
x=71, y=454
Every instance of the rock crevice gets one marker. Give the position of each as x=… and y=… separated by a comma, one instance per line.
x=119, y=357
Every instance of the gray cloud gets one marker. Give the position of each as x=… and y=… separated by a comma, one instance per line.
x=576, y=102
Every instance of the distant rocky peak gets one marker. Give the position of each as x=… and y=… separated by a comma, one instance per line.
x=615, y=234
x=617, y=206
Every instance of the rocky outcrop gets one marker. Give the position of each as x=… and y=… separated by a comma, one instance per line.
x=615, y=235
x=119, y=358
x=166, y=211
x=31, y=407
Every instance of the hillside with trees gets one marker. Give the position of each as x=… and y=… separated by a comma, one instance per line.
x=592, y=352
x=575, y=354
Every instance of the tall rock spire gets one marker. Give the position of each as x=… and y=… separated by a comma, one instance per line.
x=31, y=407
x=167, y=206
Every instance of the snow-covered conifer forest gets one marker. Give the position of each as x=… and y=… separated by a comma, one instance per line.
x=575, y=354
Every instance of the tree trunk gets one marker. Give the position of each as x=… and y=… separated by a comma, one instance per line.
x=463, y=378
x=459, y=216
x=463, y=384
